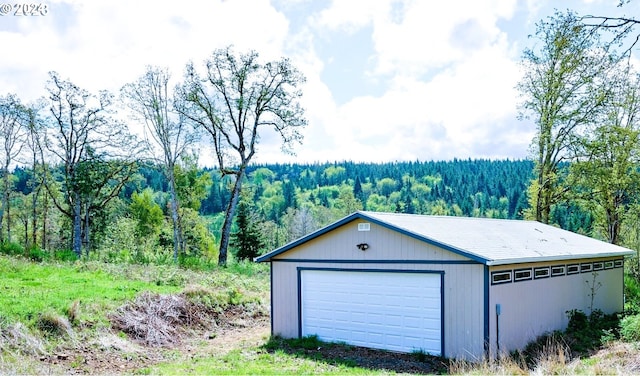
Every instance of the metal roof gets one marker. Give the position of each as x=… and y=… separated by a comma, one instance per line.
x=489, y=241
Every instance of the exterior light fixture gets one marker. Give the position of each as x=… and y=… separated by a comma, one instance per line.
x=362, y=246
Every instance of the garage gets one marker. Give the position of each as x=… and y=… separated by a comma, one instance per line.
x=393, y=310
x=455, y=287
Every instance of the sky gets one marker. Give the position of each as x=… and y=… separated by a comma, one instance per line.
x=386, y=80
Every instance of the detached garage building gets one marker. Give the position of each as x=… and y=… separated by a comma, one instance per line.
x=451, y=286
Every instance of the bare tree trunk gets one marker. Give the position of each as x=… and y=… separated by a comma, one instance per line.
x=77, y=225
x=8, y=213
x=178, y=245
x=228, y=218
x=26, y=232
x=34, y=216
x=45, y=211
x=86, y=233
x=5, y=215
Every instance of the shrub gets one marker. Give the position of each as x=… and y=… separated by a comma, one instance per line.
x=65, y=255
x=12, y=249
x=52, y=323
x=630, y=328
x=632, y=294
x=37, y=254
x=585, y=333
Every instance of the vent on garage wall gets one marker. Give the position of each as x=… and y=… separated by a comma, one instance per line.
x=505, y=276
x=364, y=226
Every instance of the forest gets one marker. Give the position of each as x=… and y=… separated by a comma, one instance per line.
x=283, y=201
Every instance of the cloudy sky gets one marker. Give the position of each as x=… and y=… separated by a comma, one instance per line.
x=387, y=80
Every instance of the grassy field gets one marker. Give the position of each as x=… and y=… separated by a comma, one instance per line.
x=59, y=318
x=29, y=290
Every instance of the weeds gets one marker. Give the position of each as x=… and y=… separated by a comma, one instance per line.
x=585, y=334
x=630, y=328
x=53, y=324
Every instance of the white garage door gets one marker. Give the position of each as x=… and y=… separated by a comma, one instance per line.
x=396, y=311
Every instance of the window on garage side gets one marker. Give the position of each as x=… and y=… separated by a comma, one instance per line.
x=586, y=267
x=522, y=274
x=503, y=276
x=557, y=270
x=573, y=269
x=542, y=272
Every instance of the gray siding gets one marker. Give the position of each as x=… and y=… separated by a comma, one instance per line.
x=529, y=308
x=533, y=307
x=389, y=250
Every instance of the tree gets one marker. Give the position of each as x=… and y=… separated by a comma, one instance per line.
x=606, y=176
x=33, y=141
x=192, y=184
x=13, y=123
x=622, y=28
x=247, y=239
x=146, y=212
x=94, y=149
x=165, y=130
x=233, y=100
x=564, y=90
x=301, y=222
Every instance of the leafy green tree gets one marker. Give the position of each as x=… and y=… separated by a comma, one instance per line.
x=564, y=89
x=386, y=186
x=199, y=242
x=606, y=176
x=192, y=184
x=147, y=213
x=95, y=152
x=233, y=100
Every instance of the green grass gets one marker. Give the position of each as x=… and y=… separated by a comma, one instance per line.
x=28, y=289
x=256, y=361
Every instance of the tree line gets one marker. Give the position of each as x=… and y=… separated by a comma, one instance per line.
x=282, y=202
x=82, y=155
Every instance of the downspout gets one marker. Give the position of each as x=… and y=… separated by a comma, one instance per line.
x=498, y=329
x=487, y=339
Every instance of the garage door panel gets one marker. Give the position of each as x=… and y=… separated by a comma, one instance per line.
x=390, y=310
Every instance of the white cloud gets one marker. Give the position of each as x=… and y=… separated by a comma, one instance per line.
x=442, y=114
x=443, y=72
x=105, y=44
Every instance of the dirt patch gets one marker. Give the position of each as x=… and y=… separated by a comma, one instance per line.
x=180, y=328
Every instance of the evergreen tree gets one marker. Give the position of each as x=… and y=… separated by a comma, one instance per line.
x=247, y=240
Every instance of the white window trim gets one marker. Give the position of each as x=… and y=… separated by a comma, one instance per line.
x=577, y=266
x=515, y=275
x=545, y=269
x=501, y=273
x=558, y=274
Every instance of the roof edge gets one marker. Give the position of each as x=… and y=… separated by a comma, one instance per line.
x=365, y=216
x=558, y=258
x=313, y=235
